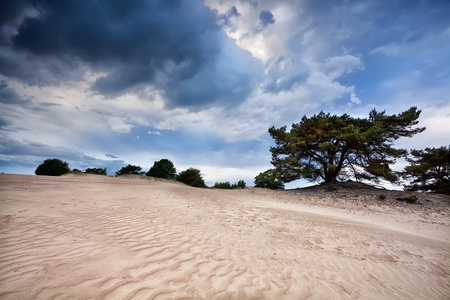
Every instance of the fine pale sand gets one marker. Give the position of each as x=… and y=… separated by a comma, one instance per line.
x=96, y=237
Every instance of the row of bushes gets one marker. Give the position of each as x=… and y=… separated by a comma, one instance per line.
x=98, y=171
x=163, y=168
x=56, y=167
x=227, y=186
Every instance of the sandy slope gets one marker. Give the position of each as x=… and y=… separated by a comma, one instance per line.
x=80, y=237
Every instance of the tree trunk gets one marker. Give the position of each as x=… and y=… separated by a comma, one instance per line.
x=330, y=177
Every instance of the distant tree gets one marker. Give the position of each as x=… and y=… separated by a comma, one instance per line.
x=98, y=171
x=269, y=180
x=191, y=177
x=163, y=169
x=130, y=169
x=429, y=170
x=227, y=186
x=222, y=185
x=329, y=147
x=53, y=167
x=239, y=185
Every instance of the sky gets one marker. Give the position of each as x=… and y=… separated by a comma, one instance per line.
x=106, y=83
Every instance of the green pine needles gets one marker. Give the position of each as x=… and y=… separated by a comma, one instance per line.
x=332, y=148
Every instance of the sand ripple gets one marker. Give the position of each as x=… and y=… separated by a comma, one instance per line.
x=92, y=237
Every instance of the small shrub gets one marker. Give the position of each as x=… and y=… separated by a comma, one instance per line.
x=382, y=197
x=332, y=188
x=409, y=199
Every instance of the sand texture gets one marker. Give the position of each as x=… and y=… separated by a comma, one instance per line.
x=96, y=237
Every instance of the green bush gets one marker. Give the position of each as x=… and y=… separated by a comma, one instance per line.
x=382, y=196
x=223, y=185
x=191, y=177
x=130, y=169
x=98, y=171
x=163, y=169
x=409, y=199
x=269, y=180
x=53, y=167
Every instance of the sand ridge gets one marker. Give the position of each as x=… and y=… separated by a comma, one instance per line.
x=96, y=237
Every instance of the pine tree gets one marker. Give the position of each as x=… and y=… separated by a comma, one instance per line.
x=329, y=147
x=163, y=169
x=191, y=177
x=429, y=170
x=129, y=169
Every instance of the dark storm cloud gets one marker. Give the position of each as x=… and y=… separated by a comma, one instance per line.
x=167, y=44
x=266, y=17
x=102, y=30
x=213, y=85
x=10, y=12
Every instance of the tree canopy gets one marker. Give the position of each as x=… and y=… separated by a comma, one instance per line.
x=52, y=167
x=163, y=169
x=330, y=147
x=191, y=177
x=98, y=171
x=269, y=180
x=429, y=170
x=129, y=169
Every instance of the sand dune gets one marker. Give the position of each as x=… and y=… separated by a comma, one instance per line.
x=94, y=237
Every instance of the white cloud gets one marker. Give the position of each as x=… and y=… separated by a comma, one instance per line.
x=263, y=42
x=437, y=133
x=390, y=49
x=181, y=118
x=154, y=132
x=119, y=125
x=339, y=65
x=354, y=99
x=300, y=56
